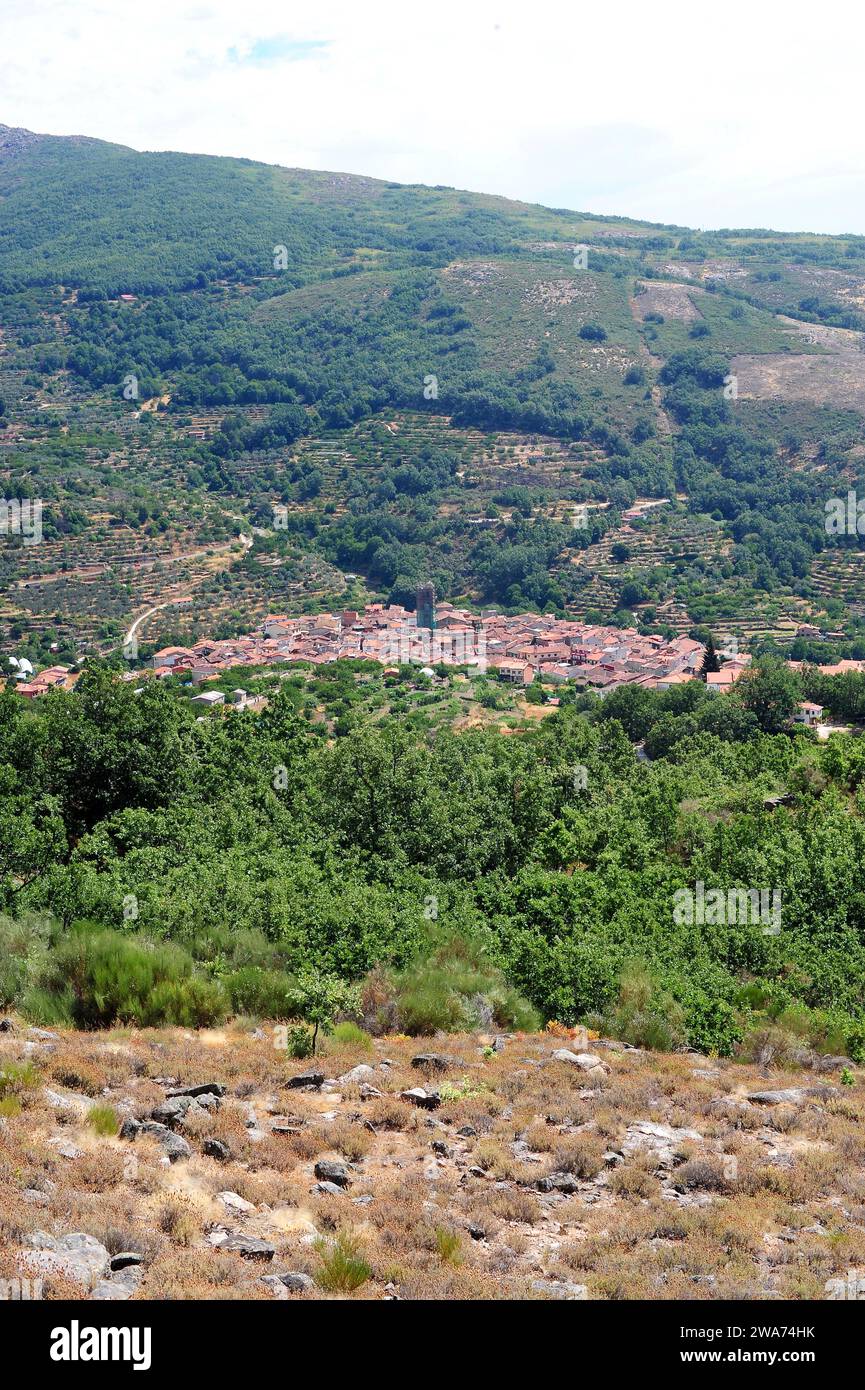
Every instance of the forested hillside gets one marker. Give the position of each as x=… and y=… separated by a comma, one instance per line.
x=430, y=381
x=459, y=879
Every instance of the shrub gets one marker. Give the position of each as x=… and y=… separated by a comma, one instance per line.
x=102, y=1119
x=100, y=976
x=457, y=988
x=644, y=1014
x=258, y=992
x=16, y=1077
x=449, y=1246
x=593, y=332
x=23, y=945
x=348, y=1034
x=342, y=1267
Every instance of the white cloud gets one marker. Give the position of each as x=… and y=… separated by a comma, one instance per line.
x=740, y=115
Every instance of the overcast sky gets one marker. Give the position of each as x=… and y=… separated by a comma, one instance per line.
x=712, y=115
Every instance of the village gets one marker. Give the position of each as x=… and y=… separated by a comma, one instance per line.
x=520, y=650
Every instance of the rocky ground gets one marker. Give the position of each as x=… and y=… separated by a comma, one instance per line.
x=175, y=1164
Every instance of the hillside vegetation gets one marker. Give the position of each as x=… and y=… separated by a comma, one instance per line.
x=392, y=364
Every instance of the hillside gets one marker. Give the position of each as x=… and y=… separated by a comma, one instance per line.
x=187, y=342
x=512, y=1167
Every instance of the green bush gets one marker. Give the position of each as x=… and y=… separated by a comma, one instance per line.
x=342, y=1267
x=457, y=988
x=644, y=1014
x=102, y=1119
x=258, y=992
x=348, y=1034
x=16, y=1077
x=100, y=977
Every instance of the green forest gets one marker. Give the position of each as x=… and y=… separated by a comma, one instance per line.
x=159, y=868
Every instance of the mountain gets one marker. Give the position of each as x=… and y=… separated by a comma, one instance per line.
x=430, y=381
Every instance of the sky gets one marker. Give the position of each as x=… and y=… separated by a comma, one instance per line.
x=739, y=114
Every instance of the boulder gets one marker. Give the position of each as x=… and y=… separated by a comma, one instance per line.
x=175, y=1145
x=296, y=1282
x=327, y=1189
x=431, y=1061
x=559, y=1182
x=329, y=1170
x=250, y=1247
x=217, y=1148
x=235, y=1201
x=586, y=1061
x=76, y=1256
x=306, y=1078
x=427, y=1100
x=204, y=1088
x=793, y=1095
x=174, y=1110
x=359, y=1073
x=125, y=1259
x=561, y=1289
x=119, y=1286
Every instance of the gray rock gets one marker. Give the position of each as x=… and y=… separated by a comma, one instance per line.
x=276, y=1286
x=329, y=1170
x=431, y=1061
x=66, y=1148
x=427, y=1100
x=208, y=1102
x=250, y=1247
x=34, y=1197
x=6, y=1025
x=370, y=1092
x=586, y=1061
x=205, y=1088
x=467, y=1132
x=125, y=1259
x=559, y=1182
x=67, y=1100
x=439, y=1147
x=661, y=1141
x=130, y=1128
x=561, y=1289
x=327, y=1189
x=216, y=1148
x=175, y=1145
x=120, y=1286
x=76, y=1256
x=306, y=1078
x=296, y=1282
x=235, y=1202
x=174, y=1110
x=793, y=1095
x=359, y=1073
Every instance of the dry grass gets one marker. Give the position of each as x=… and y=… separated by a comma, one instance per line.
x=765, y=1202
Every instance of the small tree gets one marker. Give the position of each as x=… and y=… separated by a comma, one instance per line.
x=711, y=661
x=318, y=997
